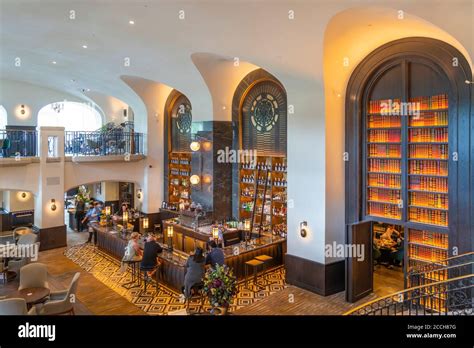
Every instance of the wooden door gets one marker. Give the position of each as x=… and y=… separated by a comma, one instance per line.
x=359, y=271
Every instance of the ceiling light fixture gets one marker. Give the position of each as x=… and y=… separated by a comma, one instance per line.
x=54, y=62
x=132, y=22
x=84, y=46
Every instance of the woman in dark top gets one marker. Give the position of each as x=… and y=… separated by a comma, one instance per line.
x=194, y=271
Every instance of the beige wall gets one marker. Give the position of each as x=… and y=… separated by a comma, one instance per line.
x=13, y=201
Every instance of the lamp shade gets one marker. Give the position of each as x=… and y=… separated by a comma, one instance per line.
x=145, y=222
x=107, y=210
x=195, y=146
x=247, y=225
x=170, y=231
x=125, y=217
x=215, y=232
x=194, y=179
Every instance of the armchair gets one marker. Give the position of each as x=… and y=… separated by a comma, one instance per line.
x=60, y=302
x=34, y=275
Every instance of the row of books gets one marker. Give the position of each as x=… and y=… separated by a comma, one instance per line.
x=429, y=151
x=427, y=253
x=384, y=121
x=384, y=136
x=384, y=165
x=383, y=106
x=431, y=103
x=429, y=184
x=428, y=216
x=389, y=211
x=384, y=180
x=383, y=195
x=428, y=135
x=436, y=118
x=428, y=167
x=439, y=240
x=432, y=200
x=384, y=150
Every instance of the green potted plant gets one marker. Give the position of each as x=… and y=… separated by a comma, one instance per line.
x=220, y=286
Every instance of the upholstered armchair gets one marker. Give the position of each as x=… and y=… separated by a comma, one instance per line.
x=60, y=302
x=21, y=231
x=34, y=275
x=14, y=306
x=24, y=241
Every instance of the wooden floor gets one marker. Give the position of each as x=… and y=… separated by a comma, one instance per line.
x=96, y=298
x=93, y=297
x=297, y=301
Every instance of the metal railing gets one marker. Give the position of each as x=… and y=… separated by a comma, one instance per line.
x=449, y=268
x=103, y=143
x=14, y=143
x=444, y=287
x=447, y=297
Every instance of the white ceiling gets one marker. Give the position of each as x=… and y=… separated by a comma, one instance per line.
x=159, y=45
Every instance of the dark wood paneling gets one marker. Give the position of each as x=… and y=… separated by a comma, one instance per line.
x=53, y=237
x=314, y=276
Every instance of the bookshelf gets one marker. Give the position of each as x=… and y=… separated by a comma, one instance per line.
x=407, y=156
x=273, y=201
x=179, y=167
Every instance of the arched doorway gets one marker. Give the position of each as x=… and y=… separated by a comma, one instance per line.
x=72, y=116
x=407, y=111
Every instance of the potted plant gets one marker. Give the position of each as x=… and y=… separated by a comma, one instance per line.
x=220, y=285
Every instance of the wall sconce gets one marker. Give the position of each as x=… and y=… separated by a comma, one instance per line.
x=139, y=194
x=145, y=223
x=22, y=109
x=207, y=146
x=195, y=146
x=194, y=179
x=206, y=179
x=53, y=204
x=304, y=229
x=215, y=233
x=23, y=195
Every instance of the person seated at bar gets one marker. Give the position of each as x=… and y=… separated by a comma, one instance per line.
x=93, y=215
x=194, y=271
x=133, y=250
x=215, y=255
x=150, y=261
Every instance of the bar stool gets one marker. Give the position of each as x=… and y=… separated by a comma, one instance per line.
x=134, y=265
x=147, y=278
x=254, y=264
x=266, y=265
x=197, y=291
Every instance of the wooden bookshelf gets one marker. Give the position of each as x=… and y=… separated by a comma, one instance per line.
x=274, y=203
x=179, y=168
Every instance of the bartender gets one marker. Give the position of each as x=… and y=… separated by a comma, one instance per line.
x=119, y=214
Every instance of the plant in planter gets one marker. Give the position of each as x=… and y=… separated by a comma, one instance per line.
x=220, y=285
x=83, y=195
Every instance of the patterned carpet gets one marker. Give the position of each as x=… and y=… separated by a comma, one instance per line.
x=161, y=301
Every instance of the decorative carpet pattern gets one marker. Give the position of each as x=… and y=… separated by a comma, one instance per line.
x=161, y=301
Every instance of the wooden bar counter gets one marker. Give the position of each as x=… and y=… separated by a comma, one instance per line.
x=173, y=270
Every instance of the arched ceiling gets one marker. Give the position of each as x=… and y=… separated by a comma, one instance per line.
x=160, y=43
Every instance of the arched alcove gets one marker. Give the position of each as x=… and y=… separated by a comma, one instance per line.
x=407, y=125
x=72, y=116
x=3, y=117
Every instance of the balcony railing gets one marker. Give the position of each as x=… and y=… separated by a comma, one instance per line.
x=14, y=143
x=103, y=143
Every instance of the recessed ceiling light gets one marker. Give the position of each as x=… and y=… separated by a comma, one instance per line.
x=132, y=22
x=84, y=46
x=53, y=62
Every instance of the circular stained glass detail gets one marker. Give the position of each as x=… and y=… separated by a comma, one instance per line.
x=264, y=112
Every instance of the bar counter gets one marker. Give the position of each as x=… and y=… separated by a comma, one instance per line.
x=173, y=270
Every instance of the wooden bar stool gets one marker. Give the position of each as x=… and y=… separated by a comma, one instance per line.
x=197, y=291
x=266, y=265
x=254, y=264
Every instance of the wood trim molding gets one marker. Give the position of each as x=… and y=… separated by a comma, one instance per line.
x=323, y=279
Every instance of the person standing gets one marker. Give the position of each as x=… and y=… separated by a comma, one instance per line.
x=93, y=215
x=79, y=215
x=194, y=271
